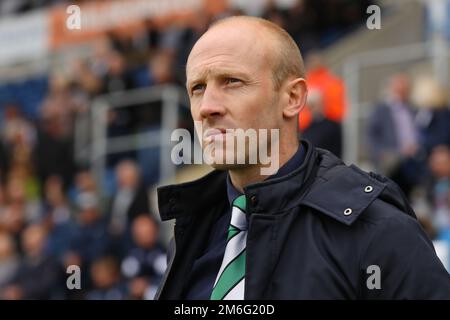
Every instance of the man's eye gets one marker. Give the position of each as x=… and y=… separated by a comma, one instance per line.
x=198, y=87
x=232, y=80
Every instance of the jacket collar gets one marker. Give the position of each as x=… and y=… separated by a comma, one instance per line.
x=192, y=197
x=291, y=165
x=322, y=182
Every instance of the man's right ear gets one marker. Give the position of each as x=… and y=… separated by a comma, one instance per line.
x=298, y=92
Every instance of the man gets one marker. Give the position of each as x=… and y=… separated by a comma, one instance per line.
x=322, y=132
x=332, y=88
x=38, y=274
x=316, y=229
x=130, y=199
x=393, y=137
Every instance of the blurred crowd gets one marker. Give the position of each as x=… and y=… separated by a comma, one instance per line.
x=405, y=137
x=408, y=140
x=55, y=213
x=44, y=229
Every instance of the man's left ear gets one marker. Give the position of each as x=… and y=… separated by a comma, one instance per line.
x=297, y=92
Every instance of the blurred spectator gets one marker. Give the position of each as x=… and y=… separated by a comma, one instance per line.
x=190, y=35
x=15, y=126
x=16, y=130
x=57, y=207
x=150, y=35
x=86, y=83
x=393, y=138
x=13, y=221
x=160, y=71
x=301, y=23
x=439, y=164
x=160, y=67
x=61, y=102
x=276, y=16
x=99, y=61
x=331, y=87
x=433, y=116
x=322, y=132
x=22, y=192
x=105, y=274
x=84, y=182
x=38, y=276
x=20, y=136
x=91, y=239
x=57, y=218
x=9, y=258
x=117, y=77
x=145, y=264
x=54, y=151
x=131, y=198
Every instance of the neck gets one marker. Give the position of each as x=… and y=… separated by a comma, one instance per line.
x=244, y=176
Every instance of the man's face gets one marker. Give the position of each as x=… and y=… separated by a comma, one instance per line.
x=230, y=83
x=400, y=87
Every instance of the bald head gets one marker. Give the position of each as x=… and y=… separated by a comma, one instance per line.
x=282, y=53
x=246, y=73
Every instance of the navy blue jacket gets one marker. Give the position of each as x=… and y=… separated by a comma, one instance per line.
x=324, y=231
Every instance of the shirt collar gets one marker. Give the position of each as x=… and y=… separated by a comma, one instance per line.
x=293, y=163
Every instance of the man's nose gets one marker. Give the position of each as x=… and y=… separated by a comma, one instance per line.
x=211, y=104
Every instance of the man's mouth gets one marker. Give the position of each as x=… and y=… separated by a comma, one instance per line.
x=214, y=133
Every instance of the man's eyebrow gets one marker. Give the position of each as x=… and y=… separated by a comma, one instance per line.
x=216, y=72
